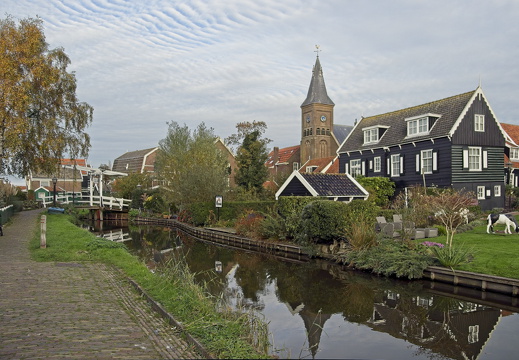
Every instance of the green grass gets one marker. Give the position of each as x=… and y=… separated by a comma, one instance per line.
x=225, y=334
x=493, y=254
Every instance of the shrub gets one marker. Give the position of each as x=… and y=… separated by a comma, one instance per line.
x=451, y=256
x=360, y=223
x=322, y=222
x=272, y=227
x=249, y=224
x=380, y=189
x=185, y=217
x=389, y=258
x=230, y=211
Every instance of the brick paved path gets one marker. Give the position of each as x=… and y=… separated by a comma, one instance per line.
x=73, y=311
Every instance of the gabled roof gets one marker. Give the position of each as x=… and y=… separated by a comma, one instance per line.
x=328, y=165
x=135, y=154
x=332, y=186
x=341, y=132
x=450, y=111
x=132, y=161
x=317, y=91
x=284, y=155
x=513, y=134
x=65, y=170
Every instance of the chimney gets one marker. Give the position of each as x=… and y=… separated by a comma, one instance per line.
x=275, y=157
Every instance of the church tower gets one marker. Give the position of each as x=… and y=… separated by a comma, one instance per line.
x=317, y=139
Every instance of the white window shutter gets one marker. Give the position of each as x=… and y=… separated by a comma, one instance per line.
x=388, y=167
x=363, y=168
x=371, y=164
x=465, y=159
x=485, y=157
x=418, y=163
x=401, y=164
x=346, y=169
x=435, y=161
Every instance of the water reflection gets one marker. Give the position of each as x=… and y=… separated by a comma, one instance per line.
x=320, y=310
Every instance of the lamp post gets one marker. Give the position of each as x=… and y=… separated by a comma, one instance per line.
x=54, y=181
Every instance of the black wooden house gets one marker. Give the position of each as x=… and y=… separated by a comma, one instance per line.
x=456, y=141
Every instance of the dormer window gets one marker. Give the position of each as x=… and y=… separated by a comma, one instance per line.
x=373, y=134
x=420, y=125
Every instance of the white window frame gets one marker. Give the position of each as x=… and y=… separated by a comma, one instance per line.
x=371, y=135
x=473, y=335
x=355, y=167
x=497, y=190
x=377, y=164
x=419, y=126
x=426, y=162
x=474, y=158
x=295, y=166
x=481, y=192
x=395, y=165
x=479, y=123
x=514, y=153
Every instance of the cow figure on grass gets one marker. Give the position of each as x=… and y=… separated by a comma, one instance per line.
x=505, y=219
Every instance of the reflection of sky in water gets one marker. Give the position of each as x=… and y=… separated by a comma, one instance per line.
x=340, y=339
x=355, y=298
x=499, y=344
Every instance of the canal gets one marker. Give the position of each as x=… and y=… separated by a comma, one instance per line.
x=316, y=309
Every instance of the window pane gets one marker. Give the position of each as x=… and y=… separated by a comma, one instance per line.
x=355, y=167
x=427, y=162
x=377, y=163
x=474, y=159
x=395, y=165
x=423, y=125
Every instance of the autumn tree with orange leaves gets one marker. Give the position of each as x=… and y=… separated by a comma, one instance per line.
x=41, y=118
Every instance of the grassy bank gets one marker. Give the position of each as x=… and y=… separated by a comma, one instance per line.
x=492, y=254
x=225, y=334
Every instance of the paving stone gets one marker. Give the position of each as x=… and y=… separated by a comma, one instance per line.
x=74, y=311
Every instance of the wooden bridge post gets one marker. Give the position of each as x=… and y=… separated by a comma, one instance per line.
x=43, y=228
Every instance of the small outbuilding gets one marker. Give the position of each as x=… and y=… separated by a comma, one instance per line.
x=336, y=187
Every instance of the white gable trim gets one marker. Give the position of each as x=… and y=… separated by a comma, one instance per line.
x=300, y=177
x=146, y=157
x=478, y=92
x=464, y=112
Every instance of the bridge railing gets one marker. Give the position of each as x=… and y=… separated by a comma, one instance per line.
x=109, y=202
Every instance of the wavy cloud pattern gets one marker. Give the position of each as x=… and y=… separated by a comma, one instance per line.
x=144, y=63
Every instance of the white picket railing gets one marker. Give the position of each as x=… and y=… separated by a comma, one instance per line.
x=109, y=202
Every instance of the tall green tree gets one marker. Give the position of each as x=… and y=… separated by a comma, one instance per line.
x=251, y=158
x=41, y=119
x=193, y=168
x=245, y=128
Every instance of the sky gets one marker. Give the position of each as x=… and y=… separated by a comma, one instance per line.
x=143, y=64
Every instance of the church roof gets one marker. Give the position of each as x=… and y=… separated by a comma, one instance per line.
x=317, y=91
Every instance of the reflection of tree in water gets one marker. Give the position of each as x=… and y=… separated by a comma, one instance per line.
x=358, y=302
x=437, y=325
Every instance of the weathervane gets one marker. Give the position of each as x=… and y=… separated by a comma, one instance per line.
x=317, y=51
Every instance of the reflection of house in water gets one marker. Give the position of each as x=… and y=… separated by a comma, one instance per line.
x=314, y=324
x=459, y=330
x=438, y=325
